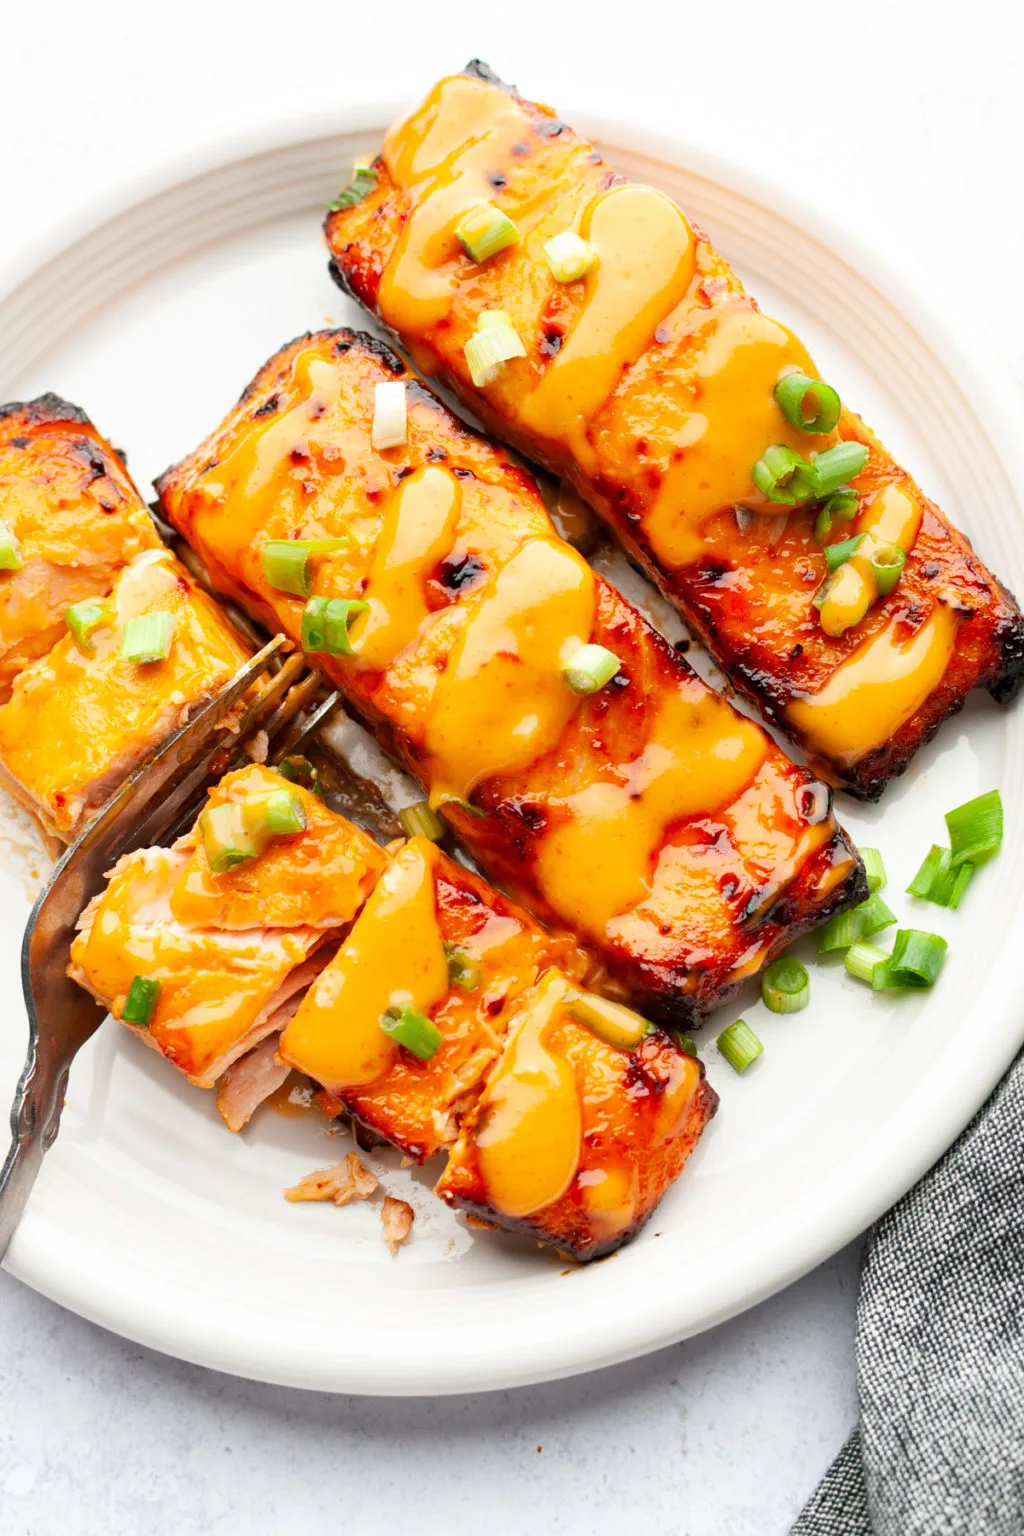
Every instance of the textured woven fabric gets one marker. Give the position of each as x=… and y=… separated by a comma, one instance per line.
x=940, y=1350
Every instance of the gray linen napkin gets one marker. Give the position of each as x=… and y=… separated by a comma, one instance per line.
x=940, y=1350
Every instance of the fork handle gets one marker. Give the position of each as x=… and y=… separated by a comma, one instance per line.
x=35, y=1118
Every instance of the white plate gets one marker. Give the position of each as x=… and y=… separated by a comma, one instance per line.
x=151, y=1219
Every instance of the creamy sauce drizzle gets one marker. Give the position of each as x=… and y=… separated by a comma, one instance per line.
x=502, y=702
x=700, y=754
x=393, y=957
x=529, y=1137
x=418, y=532
x=876, y=689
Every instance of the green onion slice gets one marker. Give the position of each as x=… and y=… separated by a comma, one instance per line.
x=299, y=770
x=226, y=838
x=590, y=668
x=364, y=179
x=325, y=622
x=874, y=868
x=491, y=348
x=867, y=963
x=412, y=1030
x=611, y=1022
x=275, y=814
x=976, y=829
x=141, y=1001
x=794, y=390
x=739, y=1045
x=147, y=637
x=917, y=958
x=831, y=469
x=838, y=554
x=463, y=970
x=687, y=1044
x=10, y=550
x=420, y=820
x=84, y=619
x=840, y=507
x=887, y=562
x=484, y=231
x=288, y=563
x=785, y=986
x=569, y=257
x=783, y=476
x=861, y=922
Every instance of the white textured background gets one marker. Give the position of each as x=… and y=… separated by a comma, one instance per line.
x=900, y=119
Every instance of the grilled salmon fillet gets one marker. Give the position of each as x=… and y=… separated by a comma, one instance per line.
x=230, y=967
x=664, y=829
x=75, y=517
x=104, y=715
x=431, y=1008
x=650, y=383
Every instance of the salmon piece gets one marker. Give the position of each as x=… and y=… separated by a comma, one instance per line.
x=436, y=938
x=105, y=715
x=69, y=501
x=346, y=1181
x=223, y=988
x=248, y=1082
x=649, y=385
x=396, y=1219
x=664, y=829
x=574, y=1140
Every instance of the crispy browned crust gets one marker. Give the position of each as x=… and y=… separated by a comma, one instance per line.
x=681, y=988
x=719, y=600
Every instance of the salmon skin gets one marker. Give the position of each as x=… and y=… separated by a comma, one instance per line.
x=649, y=818
x=649, y=384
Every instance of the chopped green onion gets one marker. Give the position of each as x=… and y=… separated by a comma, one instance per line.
x=463, y=970
x=783, y=476
x=590, y=668
x=226, y=838
x=325, y=622
x=917, y=958
x=939, y=880
x=484, y=231
x=874, y=868
x=490, y=349
x=10, y=551
x=887, y=562
x=274, y=814
x=785, y=986
x=861, y=922
x=420, y=821
x=364, y=179
x=140, y=1002
x=832, y=469
x=838, y=554
x=84, y=619
x=976, y=829
x=412, y=1030
x=287, y=563
x=611, y=1022
x=569, y=257
x=739, y=1045
x=840, y=507
x=493, y=320
x=791, y=393
x=147, y=637
x=867, y=963
x=687, y=1044
x=390, y=422
x=299, y=770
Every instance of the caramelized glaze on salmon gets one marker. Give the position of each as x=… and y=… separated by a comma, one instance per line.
x=651, y=819
x=649, y=384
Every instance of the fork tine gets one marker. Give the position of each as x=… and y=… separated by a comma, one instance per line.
x=296, y=739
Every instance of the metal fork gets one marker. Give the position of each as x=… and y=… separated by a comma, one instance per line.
x=157, y=802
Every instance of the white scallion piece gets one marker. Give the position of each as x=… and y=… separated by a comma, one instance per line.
x=390, y=424
x=569, y=257
x=490, y=349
